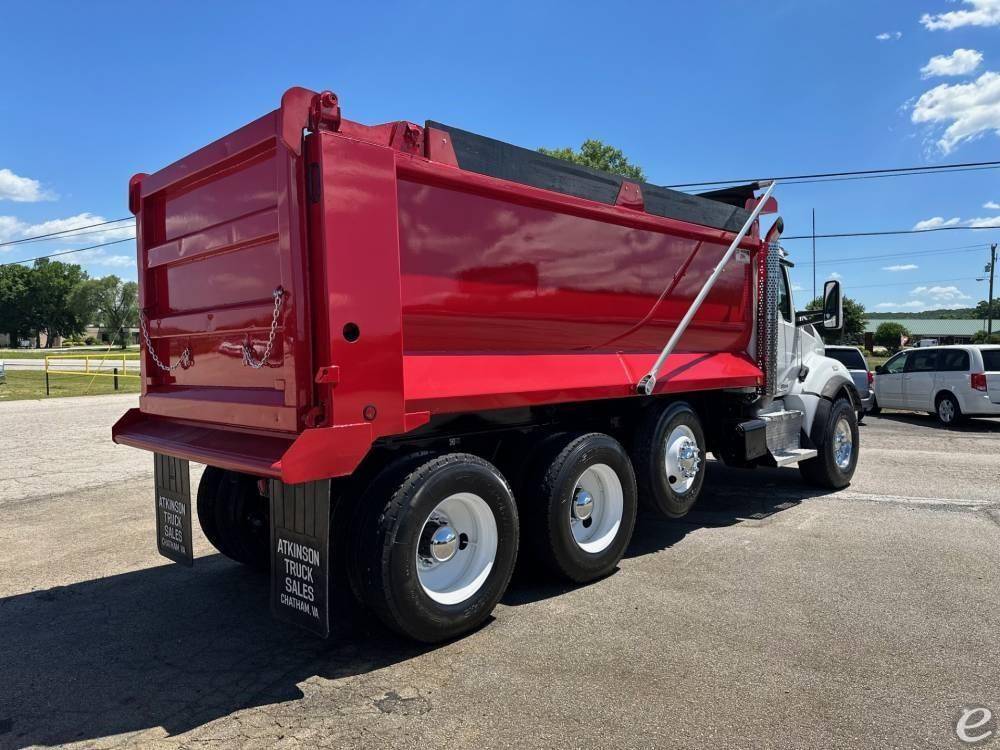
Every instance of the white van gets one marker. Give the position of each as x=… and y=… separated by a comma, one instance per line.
x=949, y=381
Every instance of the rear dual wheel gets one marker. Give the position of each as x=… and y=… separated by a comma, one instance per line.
x=436, y=545
x=235, y=516
x=579, y=506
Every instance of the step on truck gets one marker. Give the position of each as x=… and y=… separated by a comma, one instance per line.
x=409, y=355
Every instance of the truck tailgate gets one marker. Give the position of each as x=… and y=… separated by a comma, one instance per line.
x=219, y=232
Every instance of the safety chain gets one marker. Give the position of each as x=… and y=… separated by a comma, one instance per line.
x=185, y=359
x=248, y=355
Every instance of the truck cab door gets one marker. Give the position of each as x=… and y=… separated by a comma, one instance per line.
x=787, y=366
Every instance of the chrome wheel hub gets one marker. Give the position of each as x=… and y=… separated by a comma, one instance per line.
x=441, y=543
x=583, y=504
x=843, y=444
x=682, y=459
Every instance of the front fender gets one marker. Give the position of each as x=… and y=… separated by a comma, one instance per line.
x=825, y=380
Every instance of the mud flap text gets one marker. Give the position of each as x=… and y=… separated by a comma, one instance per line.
x=172, y=482
x=300, y=554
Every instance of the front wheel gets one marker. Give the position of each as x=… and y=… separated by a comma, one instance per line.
x=835, y=434
x=436, y=545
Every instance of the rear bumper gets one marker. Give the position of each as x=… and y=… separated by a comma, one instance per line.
x=320, y=453
x=979, y=405
x=868, y=401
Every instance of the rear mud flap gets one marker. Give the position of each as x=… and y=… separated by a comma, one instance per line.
x=300, y=554
x=172, y=480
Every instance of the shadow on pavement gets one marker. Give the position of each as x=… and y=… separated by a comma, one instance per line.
x=981, y=425
x=165, y=646
x=178, y=648
x=730, y=496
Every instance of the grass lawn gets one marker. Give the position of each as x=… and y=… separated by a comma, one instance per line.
x=25, y=384
x=43, y=353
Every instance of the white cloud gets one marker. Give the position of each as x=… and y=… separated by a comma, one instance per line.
x=834, y=275
x=992, y=205
x=940, y=293
x=885, y=36
x=900, y=305
x=937, y=221
x=981, y=13
x=970, y=109
x=987, y=222
x=901, y=267
x=798, y=288
x=22, y=189
x=12, y=228
x=958, y=63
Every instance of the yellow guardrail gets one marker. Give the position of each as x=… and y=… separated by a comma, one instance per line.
x=119, y=365
x=124, y=359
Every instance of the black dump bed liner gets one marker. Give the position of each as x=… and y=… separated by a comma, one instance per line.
x=494, y=158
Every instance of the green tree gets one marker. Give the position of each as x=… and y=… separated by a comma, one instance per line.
x=855, y=318
x=980, y=337
x=599, y=155
x=889, y=335
x=54, y=293
x=16, y=305
x=981, y=311
x=115, y=305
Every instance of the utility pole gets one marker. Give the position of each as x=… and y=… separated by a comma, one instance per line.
x=989, y=302
x=814, y=253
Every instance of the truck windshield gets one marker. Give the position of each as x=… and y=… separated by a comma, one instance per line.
x=849, y=358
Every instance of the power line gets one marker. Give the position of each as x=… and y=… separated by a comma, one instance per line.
x=64, y=231
x=912, y=283
x=888, y=256
x=65, y=252
x=74, y=235
x=892, y=172
x=884, y=233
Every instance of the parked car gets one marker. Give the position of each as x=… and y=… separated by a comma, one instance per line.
x=949, y=381
x=3, y=373
x=854, y=360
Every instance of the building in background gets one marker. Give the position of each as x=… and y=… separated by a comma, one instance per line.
x=945, y=330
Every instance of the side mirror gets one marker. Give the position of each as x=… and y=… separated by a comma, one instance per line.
x=833, y=306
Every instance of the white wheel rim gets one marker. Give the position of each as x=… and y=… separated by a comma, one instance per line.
x=596, y=532
x=682, y=459
x=843, y=444
x=458, y=578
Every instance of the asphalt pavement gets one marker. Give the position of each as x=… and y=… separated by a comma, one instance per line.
x=774, y=616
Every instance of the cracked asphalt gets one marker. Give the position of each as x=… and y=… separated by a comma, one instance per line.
x=774, y=616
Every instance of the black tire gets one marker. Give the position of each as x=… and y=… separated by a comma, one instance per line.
x=547, y=497
x=947, y=410
x=235, y=517
x=823, y=470
x=876, y=409
x=656, y=490
x=393, y=514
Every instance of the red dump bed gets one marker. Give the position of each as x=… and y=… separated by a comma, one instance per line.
x=419, y=271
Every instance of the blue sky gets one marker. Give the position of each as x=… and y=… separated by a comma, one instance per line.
x=691, y=91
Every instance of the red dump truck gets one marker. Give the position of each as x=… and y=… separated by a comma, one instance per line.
x=408, y=354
